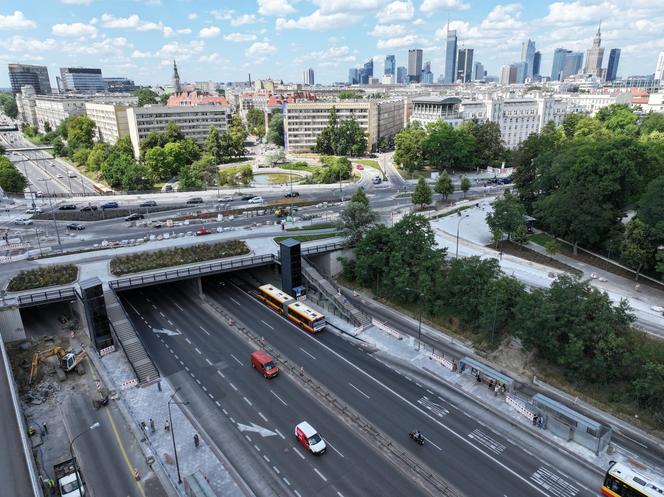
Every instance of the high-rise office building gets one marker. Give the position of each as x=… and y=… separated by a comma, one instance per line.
x=120, y=85
x=612, y=68
x=414, y=65
x=464, y=65
x=521, y=71
x=595, y=55
x=659, y=68
x=390, y=65
x=81, y=79
x=537, y=62
x=353, y=76
x=176, y=79
x=25, y=74
x=427, y=75
x=366, y=73
x=450, y=55
x=572, y=65
x=508, y=74
x=528, y=57
x=559, y=55
x=402, y=75
x=309, y=77
x=478, y=71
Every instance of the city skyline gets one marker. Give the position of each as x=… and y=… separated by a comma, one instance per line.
x=281, y=39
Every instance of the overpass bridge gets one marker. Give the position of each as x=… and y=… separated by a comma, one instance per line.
x=34, y=148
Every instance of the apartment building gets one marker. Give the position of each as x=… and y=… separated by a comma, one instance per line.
x=111, y=121
x=25, y=103
x=304, y=121
x=194, y=121
x=590, y=103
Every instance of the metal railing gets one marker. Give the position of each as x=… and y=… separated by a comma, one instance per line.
x=318, y=249
x=46, y=296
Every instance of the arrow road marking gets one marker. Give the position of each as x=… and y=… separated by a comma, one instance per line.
x=253, y=427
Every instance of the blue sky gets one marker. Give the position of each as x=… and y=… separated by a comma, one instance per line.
x=224, y=40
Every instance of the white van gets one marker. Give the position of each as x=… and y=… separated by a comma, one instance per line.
x=309, y=438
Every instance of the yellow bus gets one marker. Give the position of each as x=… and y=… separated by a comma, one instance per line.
x=302, y=315
x=622, y=480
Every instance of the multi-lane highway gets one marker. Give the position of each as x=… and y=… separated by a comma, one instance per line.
x=469, y=454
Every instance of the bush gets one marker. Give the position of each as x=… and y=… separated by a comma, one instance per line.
x=56, y=274
x=144, y=261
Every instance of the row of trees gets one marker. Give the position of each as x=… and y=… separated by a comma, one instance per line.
x=8, y=104
x=439, y=145
x=423, y=194
x=582, y=178
x=11, y=180
x=571, y=325
x=344, y=137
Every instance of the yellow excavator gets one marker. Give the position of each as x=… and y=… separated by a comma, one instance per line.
x=68, y=361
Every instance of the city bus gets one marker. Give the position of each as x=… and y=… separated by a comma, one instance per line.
x=302, y=315
x=622, y=480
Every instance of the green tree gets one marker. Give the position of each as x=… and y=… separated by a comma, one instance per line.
x=327, y=138
x=163, y=98
x=618, y=118
x=8, y=104
x=409, y=147
x=351, y=139
x=80, y=157
x=444, y=185
x=552, y=247
x=154, y=139
x=97, y=156
x=11, y=180
x=496, y=308
x=639, y=246
x=649, y=386
x=355, y=220
x=121, y=171
x=489, y=147
x=508, y=215
x=651, y=207
x=145, y=96
x=449, y=147
x=213, y=145
x=652, y=121
x=124, y=145
x=256, y=122
x=238, y=134
x=158, y=164
x=360, y=197
x=205, y=170
x=188, y=180
x=246, y=175
x=79, y=132
x=275, y=129
x=570, y=124
x=422, y=195
x=172, y=133
x=465, y=185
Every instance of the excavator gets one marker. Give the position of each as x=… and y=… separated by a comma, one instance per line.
x=68, y=361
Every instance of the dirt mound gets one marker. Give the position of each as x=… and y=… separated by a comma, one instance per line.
x=511, y=356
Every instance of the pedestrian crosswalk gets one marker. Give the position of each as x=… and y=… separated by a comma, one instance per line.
x=554, y=484
x=432, y=407
x=482, y=438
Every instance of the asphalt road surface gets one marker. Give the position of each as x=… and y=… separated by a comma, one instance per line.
x=189, y=339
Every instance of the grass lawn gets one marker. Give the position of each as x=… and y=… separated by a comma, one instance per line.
x=298, y=166
x=426, y=174
x=368, y=163
x=319, y=226
x=306, y=238
x=540, y=238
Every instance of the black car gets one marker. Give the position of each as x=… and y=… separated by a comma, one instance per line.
x=110, y=205
x=247, y=197
x=292, y=194
x=134, y=217
x=67, y=207
x=89, y=208
x=148, y=203
x=75, y=226
x=195, y=200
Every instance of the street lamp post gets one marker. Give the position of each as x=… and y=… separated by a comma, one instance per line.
x=50, y=203
x=457, y=233
x=170, y=421
x=71, y=451
x=419, y=320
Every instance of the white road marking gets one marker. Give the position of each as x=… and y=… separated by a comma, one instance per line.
x=205, y=331
x=211, y=396
x=276, y=470
x=298, y=453
x=635, y=441
x=267, y=324
x=198, y=350
x=234, y=300
x=197, y=380
x=237, y=360
x=257, y=448
x=429, y=440
x=307, y=353
x=285, y=480
x=161, y=314
x=279, y=433
x=334, y=448
x=208, y=361
x=204, y=389
x=247, y=401
x=186, y=368
x=554, y=484
x=359, y=390
x=297, y=493
x=176, y=305
x=262, y=416
x=320, y=474
x=187, y=340
x=217, y=402
x=170, y=322
x=267, y=459
x=154, y=307
x=280, y=399
x=491, y=444
x=340, y=494
x=221, y=374
x=233, y=386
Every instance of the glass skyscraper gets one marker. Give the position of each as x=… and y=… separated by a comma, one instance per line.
x=450, y=56
x=612, y=68
x=558, y=62
x=390, y=65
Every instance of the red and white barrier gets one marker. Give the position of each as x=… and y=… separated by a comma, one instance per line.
x=126, y=385
x=519, y=406
x=442, y=360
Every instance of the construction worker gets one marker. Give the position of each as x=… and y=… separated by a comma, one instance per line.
x=197, y=441
x=167, y=426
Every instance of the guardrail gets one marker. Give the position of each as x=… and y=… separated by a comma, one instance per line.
x=317, y=249
x=46, y=296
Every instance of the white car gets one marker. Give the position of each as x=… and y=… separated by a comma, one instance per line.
x=23, y=222
x=36, y=210
x=227, y=198
x=256, y=200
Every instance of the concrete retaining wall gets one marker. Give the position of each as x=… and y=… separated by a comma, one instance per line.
x=11, y=325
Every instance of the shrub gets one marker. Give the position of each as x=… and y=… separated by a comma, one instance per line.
x=144, y=261
x=56, y=274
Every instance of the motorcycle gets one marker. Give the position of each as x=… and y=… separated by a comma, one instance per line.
x=416, y=437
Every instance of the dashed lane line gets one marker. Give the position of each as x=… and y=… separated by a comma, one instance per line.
x=320, y=474
x=237, y=360
x=280, y=399
x=353, y=386
x=310, y=355
x=271, y=327
x=205, y=331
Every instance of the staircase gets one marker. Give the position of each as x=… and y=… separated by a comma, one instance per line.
x=143, y=367
x=326, y=288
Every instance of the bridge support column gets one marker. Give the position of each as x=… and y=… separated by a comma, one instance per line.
x=193, y=286
x=11, y=324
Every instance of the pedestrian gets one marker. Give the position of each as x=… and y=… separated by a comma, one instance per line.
x=490, y=384
x=45, y=428
x=197, y=441
x=540, y=422
x=151, y=425
x=495, y=390
x=167, y=426
x=479, y=378
x=535, y=420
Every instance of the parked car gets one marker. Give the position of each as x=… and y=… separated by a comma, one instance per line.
x=110, y=205
x=148, y=203
x=89, y=208
x=34, y=210
x=359, y=167
x=67, y=207
x=256, y=200
x=23, y=222
x=225, y=198
x=292, y=194
x=203, y=231
x=195, y=200
x=75, y=226
x=134, y=217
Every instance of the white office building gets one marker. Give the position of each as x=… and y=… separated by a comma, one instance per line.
x=110, y=119
x=659, y=69
x=430, y=109
x=25, y=103
x=194, y=122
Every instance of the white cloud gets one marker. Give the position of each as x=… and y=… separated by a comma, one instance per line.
x=192, y=16
x=239, y=37
x=20, y=44
x=318, y=22
x=168, y=31
x=209, y=32
x=17, y=20
x=401, y=41
x=131, y=22
x=275, y=8
x=213, y=57
x=260, y=49
x=396, y=11
x=333, y=6
x=331, y=57
x=137, y=54
x=431, y=5
x=76, y=2
x=388, y=30
x=180, y=51
x=107, y=46
x=222, y=15
x=183, y=31
x=577, y=12
x=244, y=19
x=74, y=29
